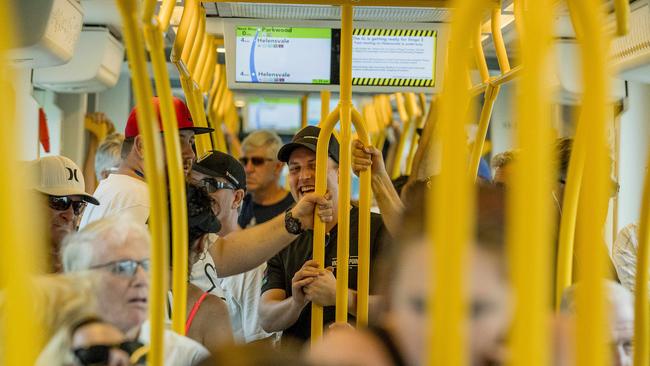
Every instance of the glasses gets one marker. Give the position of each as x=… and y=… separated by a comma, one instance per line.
x=125, y=268
x=100, y=354
x=212, y=185
x=64, y=203
x=256, y=160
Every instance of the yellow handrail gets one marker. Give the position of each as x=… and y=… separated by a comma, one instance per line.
x=345, y=154
x=325, y=96
x=449, y=205
x=165, y=14
x=622, y=9
x=417, y=118
x=570, y=201
x=480, y=56
x=201, y=63
x=196, y=44
x=499, y=45
x=326, y=129
x=641, y=308
x=591, y=309
x=186, y=32
x=156, y=46
x=21, y=337
x=491, y=94
x=529, y=206
x=147, y=126
x=365, y=199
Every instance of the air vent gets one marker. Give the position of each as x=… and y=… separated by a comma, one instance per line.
x=325, y=12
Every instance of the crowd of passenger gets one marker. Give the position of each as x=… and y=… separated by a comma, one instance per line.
x=252, y=279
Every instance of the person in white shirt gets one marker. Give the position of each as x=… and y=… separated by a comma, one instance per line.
x=224, y=179
x=116, y=250
x=125, y=191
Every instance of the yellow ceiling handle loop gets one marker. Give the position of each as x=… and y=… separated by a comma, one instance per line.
x=197, y=44
x=154, y=171
x=165, y=14
x=185, y=33
x=326, y=129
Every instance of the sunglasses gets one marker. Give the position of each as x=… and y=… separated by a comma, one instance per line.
x=256, y=160
x=125, y=268
x=100, y=354
x=63, y=203
x=212, y=185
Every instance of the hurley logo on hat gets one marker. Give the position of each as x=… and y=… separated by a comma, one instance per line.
x=59, y=176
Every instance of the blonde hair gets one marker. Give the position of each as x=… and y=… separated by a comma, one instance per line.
x=502, y=159
x=108, y=154
x=263, y=138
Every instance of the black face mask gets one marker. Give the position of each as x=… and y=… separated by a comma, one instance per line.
x=99, y=354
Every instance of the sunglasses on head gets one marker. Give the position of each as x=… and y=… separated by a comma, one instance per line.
x=125, y=268
x=100, y=354
x=256, y=160
x=63, y=203
x=212, y=185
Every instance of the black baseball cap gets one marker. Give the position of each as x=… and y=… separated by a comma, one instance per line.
x=308, y=137
x=221, y=165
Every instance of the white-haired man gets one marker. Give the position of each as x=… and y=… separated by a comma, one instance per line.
x=266, y=199
x=117, y=249
x=621, y=312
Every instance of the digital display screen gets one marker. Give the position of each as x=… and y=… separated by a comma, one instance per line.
x=280, y=114
x=393, y=57
x=283, y=55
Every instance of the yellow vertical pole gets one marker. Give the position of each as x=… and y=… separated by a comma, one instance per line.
x=343, y=238
x=327, y=126
x=21, y=337
x=497, y=38
x=591, y=308
x=480, y=56
x=148, y=127
x=325, y=96
x=529, y=205
x=156, y=46
x=365, y=199
x=641, y=308
x=622, y=8
x=415, y=140
x=449, y=204
x=304, y=116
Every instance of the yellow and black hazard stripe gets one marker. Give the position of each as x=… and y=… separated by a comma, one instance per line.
x=393, y=32
x=392, y=82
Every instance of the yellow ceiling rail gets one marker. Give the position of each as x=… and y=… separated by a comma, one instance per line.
x=165, y=14
x=480, y=56
x=622, y=9
x=529, y=206
x=499, y=45
x=148, y=127
x=591, y=327
x=156, y=46
x=449, y=204
x=641, y=308
x=197, y=44
x=395, y=3
x=21, y=339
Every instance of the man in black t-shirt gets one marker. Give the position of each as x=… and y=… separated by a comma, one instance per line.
x=266, y=198
x=292, y=279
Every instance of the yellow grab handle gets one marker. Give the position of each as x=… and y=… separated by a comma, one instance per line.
x=22, y=337
x=186, y=31
x=365, y=200
x=591, y=307
x=479, y=55
x=201, y=62
x=326, y=129
x=148, y=127
x=406, y=127
x=529, y=209
x=304, y=116
x=156, y=46
x=197, y=44
x=325, y=96
x=165, y=14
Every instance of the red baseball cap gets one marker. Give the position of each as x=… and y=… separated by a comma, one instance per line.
x=183, y=117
